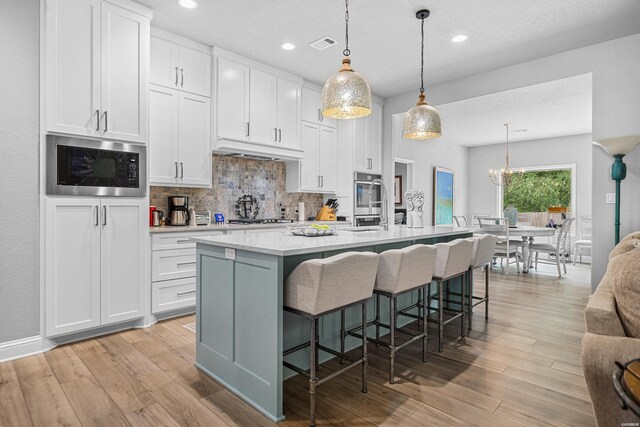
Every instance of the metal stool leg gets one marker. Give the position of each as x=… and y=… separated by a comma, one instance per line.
x=440, y=315
x=419, y=307
x=463, y=281
x=313, y=382
x=392, y=337
x=317, y=343
x=470, y=300
x=342, y=335
x=486, y=292
x=377, y=317
x=364, y=347
x=424, y=326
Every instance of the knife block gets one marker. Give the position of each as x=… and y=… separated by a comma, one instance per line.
x=326, y=214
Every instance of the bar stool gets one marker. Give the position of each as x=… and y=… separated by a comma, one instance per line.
x=481, y=256
x=401, y=271
x=452, y=260
x=322, y=286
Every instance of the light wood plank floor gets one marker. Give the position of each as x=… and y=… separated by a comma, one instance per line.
x=522, y=367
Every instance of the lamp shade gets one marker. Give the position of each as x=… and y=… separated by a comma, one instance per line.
x=346, y=95
x=421, y=122
x=619, y=145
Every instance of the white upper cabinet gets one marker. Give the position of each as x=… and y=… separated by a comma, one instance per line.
x=309, y=167
x=328, y=159
x=360, y=136
x=163, y=135
x=96, y=69
x=367, y=142
x=180, y=63
x=317, y=171
x=257, y=108
x=232, y=98
x=194, y=141
x=312, y=108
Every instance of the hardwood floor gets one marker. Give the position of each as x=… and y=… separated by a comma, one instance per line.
x=522, y=367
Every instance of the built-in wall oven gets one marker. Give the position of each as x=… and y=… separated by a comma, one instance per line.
x=87, y=167
x=367, y=200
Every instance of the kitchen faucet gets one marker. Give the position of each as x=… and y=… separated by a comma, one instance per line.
x=384, y=221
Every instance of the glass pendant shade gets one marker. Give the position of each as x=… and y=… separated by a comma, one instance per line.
x=346, y=95
x=421, y=122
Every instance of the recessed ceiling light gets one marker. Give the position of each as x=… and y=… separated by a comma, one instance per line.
x=459, y=38
x=189, y=4
x=288, y=46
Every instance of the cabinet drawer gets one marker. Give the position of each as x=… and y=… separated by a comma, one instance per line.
x=162, y=241
x=173, y=294
x=173, y=264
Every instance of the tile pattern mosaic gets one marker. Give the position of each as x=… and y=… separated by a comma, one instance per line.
x=234, y=177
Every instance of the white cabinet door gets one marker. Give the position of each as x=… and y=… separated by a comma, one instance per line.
x=232, y=93
x=288, y=112
x=310, y=105
x=125, y=55
x=309, y=173
x=195, y=71
x=327, y=159
x=374, y=140
x=164, y=66
x=262, y=107
x=73, y=66
x=124, y=224
x=72, y=266
x=194, y=151
x=360, y=137
x=163, y=135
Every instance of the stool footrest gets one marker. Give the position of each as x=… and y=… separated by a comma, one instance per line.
x=296, y=348
x=335, y=353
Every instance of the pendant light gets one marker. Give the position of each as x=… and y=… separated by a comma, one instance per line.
x=504, y=177
x=346, y=95
x=422, y=121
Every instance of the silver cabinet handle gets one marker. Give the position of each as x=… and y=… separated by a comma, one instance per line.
x=97, y=120
x=106, y=122
x=185, y=263
x=247, y=129
x=176, y=163
x=319, y=115
x=275, y=134
x=318, y=181
x=176, y=76
x=185, y=293
x=181, y=77
x=104, y=215
x=279, y=135
x=181, y=241
x=322, y=181
x=181, y=170
x=97, y=215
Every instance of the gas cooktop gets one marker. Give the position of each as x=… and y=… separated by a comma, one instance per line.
x=251, y=221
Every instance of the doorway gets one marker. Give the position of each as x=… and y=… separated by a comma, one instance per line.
x=403, y=181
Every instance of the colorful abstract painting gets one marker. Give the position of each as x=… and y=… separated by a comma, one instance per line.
x=442, y=196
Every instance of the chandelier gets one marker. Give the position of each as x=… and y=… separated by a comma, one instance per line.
x=504, y=176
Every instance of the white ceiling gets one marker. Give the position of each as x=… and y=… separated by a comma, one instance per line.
x=552, y=109
x=385, y=35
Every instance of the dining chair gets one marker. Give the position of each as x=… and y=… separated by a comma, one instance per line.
x=460, y=221
x=558, y=250
x=504, y=248
x=585, y=238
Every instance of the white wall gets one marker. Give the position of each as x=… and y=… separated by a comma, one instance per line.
x=428, y=154
x=542, y=152
x=19, y=253
x=616, y=102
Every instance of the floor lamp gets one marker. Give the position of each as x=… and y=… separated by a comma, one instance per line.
x=618, y=148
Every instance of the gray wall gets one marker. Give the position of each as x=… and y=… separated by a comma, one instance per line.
x=542, y=152
x=19, y=253
x=616, y=102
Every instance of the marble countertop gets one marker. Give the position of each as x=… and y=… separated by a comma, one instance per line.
x=282, y=243
x=230, y=227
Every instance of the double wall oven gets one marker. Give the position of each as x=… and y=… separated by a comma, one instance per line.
x=86, y=167
x=367, y=200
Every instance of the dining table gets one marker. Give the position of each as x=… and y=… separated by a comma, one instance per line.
x=528, y=233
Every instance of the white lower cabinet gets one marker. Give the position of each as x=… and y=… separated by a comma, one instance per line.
x=173, y=294
x=95, y=262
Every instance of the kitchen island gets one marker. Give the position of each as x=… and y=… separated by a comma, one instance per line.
x=241, y=327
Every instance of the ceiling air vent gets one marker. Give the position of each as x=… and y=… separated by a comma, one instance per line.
x=323, y=43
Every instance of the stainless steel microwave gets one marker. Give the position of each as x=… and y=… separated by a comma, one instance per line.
x=87, y=167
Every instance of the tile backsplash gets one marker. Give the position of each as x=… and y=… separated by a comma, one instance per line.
x=234, y=177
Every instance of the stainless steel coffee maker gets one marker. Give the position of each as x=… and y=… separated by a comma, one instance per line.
x=178, y=210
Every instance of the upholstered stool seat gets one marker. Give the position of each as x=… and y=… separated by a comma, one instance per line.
x=452, y=261
x=400, y=271
x=321, y=286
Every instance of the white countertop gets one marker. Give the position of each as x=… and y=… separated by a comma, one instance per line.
x=230, y=227
x=282, y=243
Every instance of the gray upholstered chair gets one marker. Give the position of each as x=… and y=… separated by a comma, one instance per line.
x=452, y=261
x=401, y=271
x=322, y=286
x=481, y=257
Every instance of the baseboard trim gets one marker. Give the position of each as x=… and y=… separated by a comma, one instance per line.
x=24, y=347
